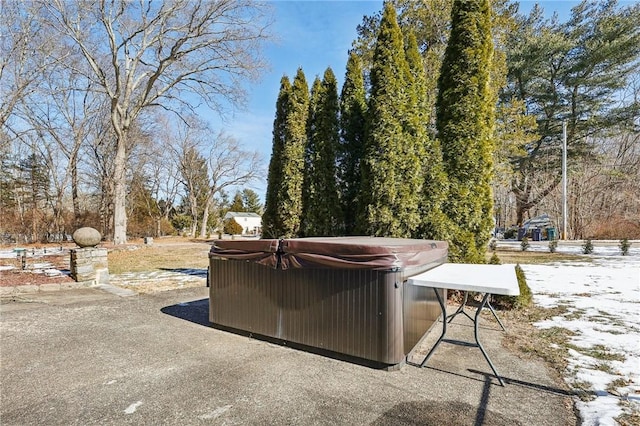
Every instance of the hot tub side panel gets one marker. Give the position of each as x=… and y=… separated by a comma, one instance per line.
x=421, y=311
x=354, y=312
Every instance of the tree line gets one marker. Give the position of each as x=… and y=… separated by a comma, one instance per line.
x=100, y=125
x=413, y=151
x=99, y=113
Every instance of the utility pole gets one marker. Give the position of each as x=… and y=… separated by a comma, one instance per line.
x=564, y=180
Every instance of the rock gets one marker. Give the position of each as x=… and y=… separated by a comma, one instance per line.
x=87, y=237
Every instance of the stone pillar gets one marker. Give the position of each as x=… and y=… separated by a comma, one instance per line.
x=89, y=265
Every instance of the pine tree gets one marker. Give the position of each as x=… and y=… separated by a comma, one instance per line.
x=251, y=201
x=391, y=171
x=284, y=188
x=322, y=215
x=353, y=106
x=237, y=204
x=465, y=123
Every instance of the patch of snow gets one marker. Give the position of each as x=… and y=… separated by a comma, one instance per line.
x=602, y=298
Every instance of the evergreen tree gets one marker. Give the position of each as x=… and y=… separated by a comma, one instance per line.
x=237, y=204
x=391, y=170
x=251, y=201
x=322, y=215
x=432, y=220
x=274, y=178
x=576, y=71
x=353, y=106
x=284, y=188
x=465, y=123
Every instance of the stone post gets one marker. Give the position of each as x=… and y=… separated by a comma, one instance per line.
x=89, y=264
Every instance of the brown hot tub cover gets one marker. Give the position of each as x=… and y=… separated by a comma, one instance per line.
x=378, y=253
x=264, y=252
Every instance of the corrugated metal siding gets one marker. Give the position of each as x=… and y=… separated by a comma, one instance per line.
x=361, y=313
x=421, y=311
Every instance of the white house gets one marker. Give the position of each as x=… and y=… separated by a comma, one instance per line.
x=251, y=222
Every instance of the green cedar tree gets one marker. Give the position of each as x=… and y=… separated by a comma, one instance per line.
x=353, y=106
x=322, y=215
x=284, y=189
x=465, y=122
x=432, y=220
x=390, y=167
x=274, y=179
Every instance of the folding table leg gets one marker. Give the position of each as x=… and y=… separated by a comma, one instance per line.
x=475, y=334
x=460, y=309
x=495, y=315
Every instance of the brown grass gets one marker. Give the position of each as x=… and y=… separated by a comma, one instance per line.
x=164, y=255
x=533, y=257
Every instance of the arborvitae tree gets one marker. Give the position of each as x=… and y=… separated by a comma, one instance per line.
x=284, y=188
x=433, y=221
x=465, y=123
x=322, y=215
x=353, y=106
x=309, y=189
x=274, y=179
x=391, y=170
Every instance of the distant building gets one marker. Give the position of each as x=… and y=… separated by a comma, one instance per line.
x=251, y=222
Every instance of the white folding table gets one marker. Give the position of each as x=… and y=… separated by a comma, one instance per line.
x=487, y=279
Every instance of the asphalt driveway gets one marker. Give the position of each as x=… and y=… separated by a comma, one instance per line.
x=87, y=356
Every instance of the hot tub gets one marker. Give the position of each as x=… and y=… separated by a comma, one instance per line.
x=346, y=296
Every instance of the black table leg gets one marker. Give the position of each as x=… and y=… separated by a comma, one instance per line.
x=475, y=334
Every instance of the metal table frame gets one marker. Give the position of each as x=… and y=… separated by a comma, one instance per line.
x=486, y=279
x=461, y=310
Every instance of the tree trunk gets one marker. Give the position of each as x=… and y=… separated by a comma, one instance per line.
x=74, y=189
x=205, y=219
x=120, y=193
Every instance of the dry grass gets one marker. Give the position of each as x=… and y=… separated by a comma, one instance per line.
x=549, y=344
x=531, y=257
x=170, y=255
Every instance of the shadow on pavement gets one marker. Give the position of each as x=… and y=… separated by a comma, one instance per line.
x=196, y=311
x=535, y=386
x=188, y=271
x=441, y=413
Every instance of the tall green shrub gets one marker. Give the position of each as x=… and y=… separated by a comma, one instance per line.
x=284, y=188
x=353, y=106
x=322, y=215
x=270, y=227
x=433, y=222
x=465, y=124
x=391, y=167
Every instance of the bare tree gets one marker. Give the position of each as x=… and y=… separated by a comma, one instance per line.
x=189, y=137
x=160, y=168
x=229, y=165
x=170, y=54
x=63, y=112
x=24, y=54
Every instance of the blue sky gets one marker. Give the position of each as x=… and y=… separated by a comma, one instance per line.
x=312, y=35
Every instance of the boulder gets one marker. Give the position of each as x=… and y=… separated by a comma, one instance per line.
x=87, y=237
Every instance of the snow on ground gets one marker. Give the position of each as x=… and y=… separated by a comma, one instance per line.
x=8, y=253
x=602, y=297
